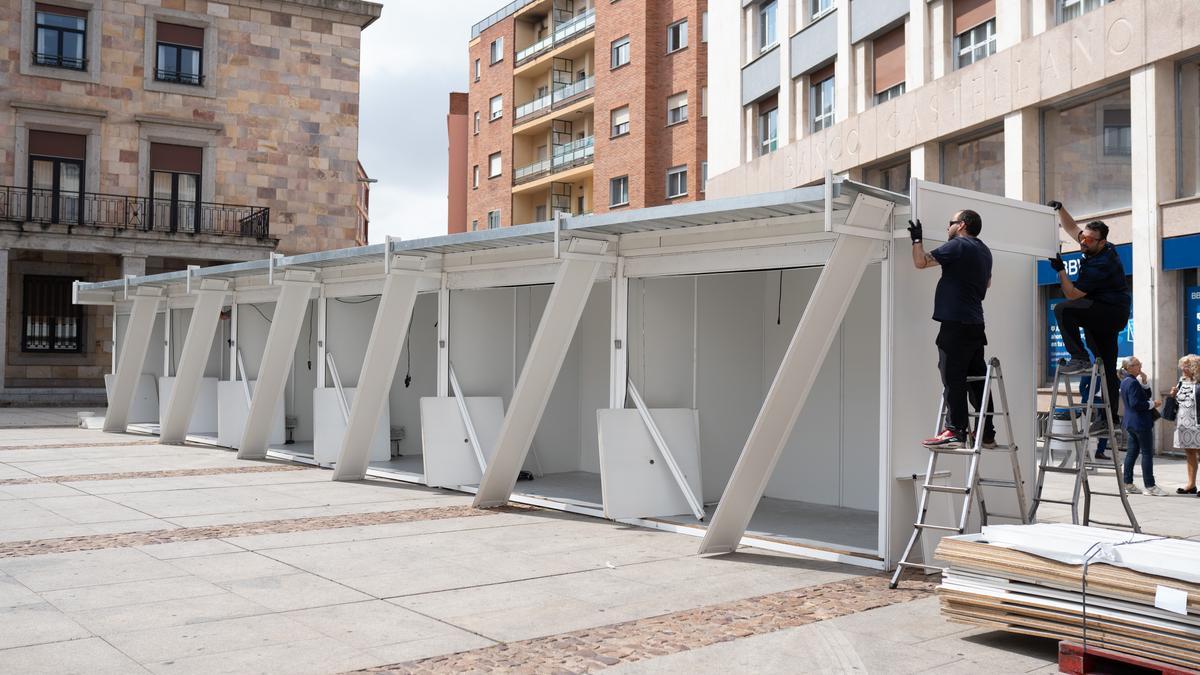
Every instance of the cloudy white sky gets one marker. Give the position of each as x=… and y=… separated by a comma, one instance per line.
x=412, y=57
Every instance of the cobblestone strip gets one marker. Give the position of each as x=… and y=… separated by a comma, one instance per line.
x=68, y=445
x=93, y=542
x=593, y=649
x=170, y=473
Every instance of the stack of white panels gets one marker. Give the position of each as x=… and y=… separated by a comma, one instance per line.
x=1128, y=593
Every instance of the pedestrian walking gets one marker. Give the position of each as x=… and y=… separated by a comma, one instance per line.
x=966, y=264
x=1187, y=422
x=1139, y=427
x=1097, y=301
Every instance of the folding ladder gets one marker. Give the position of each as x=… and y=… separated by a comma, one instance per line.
x=971, y=489
x=1080, y=438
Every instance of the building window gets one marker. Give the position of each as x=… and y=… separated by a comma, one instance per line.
x=893, y=178
x=475, y=177
x=821, y=100
x=677, y=182
x=477, y=117
x=976, y=44
x=1073, y=9
x=766, y=25
x=61, y=36
x=677, y=108
x=175, y=182
x=768, y=126
x=618, y=191
x=50, y=322
x=703, y=176
x=1077, y=169
x=493, y=165
x=496, y=107
x=620, y=52
x=474, y=225
x=180, y=54
x=476, y=70
x=620, y=121
x=704, y=26
x=887, y=55
x=704, y=101
x=1117, y=140
x=493, y=219
x=676, y=36
x=56, y=167
x=975, y=163
x=496, y=50
x=820, y=7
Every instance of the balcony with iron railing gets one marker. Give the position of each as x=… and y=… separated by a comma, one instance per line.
x=568, y=156
x=563, y=33
x=561, y=97
x=135, y=214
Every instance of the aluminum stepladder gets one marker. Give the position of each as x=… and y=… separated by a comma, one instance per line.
x=1080, y=439
x=970, y=491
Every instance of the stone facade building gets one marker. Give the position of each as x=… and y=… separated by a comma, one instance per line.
x=142, y=137
x=580, y=106
x=1095, y=103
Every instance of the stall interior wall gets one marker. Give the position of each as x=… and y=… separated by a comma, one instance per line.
x=419, y=359
x=490, y=334
x=154, y=352
x=714, y=342
x=253, y=325
x=916, y=386
x=217, y=355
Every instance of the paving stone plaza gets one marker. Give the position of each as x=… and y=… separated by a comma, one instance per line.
x=121, y=555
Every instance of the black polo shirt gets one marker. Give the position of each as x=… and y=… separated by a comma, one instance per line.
x=966, y=268
x=1102, y=278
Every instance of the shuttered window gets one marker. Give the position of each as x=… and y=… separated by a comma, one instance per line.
x=54, y=144
x=50, y=322
x=889, y=60
x=970, y=13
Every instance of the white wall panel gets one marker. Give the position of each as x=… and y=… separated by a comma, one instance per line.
x=420, y=355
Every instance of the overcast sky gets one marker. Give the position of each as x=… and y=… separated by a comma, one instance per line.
x=412, y=58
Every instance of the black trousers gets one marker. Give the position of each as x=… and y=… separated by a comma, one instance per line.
x=1101, y=324
x=960, y=355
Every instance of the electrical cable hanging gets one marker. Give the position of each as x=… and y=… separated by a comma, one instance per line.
x=260, y=312
x=779, y=306
x=368, y=298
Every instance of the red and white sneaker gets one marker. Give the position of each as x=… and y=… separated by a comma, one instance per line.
x=947, y=439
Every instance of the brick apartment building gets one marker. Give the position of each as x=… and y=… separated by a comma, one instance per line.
x=142, y=137
x=580, y=106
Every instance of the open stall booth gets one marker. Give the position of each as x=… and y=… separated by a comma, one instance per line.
x=754, y=370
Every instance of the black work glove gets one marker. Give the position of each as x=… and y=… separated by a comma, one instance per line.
x=1057, y=263
x=1056, y=205
x=914, y=231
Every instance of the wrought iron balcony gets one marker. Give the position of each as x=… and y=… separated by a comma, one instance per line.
x=59, y=61
x=179, y=77
x=142, y=214
x=562, y=33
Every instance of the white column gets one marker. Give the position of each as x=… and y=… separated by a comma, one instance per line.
x=576, y=276
x=784, y=24
x=1012, y=22
x=276, y=362
x=1155, y=293
x=1022, y=177
x=925, y=162
x=378, y=370
x=843, y=70
x=197, y=346
x=940, y=38
x=916, y=45
x=3, y=313
x=1041, y=16
x=134, y=345
x=443, y=337
x=618, y=358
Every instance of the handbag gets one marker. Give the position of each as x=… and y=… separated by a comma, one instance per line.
x=1171, y=406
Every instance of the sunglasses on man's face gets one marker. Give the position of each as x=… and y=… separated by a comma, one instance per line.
x=955, y=222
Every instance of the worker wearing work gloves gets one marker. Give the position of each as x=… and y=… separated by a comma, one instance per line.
x=1098, y=302
x=966, y=264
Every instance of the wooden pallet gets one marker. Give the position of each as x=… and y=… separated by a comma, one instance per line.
x=1075, y=660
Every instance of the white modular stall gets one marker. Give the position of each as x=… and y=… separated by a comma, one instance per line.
x=754, y=370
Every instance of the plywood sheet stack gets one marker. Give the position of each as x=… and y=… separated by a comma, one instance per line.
x=1138, y=594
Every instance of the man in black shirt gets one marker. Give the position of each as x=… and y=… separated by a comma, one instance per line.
x=1098, y=301
x=966, y=264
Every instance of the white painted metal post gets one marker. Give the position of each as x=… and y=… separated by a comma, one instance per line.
x=443, y=338
x=134, y=346
x=276, y=362
x=618, y=348
x=206, y=314
x=805, y=354
x=546, y=354
x=378, y=370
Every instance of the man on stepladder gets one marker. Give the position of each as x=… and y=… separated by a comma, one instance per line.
x=966, y=264
x=1098, y=302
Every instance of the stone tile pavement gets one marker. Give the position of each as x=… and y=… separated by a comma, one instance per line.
x=121, y=555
